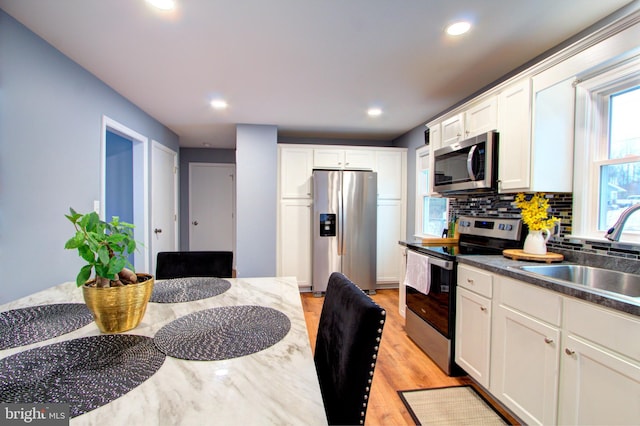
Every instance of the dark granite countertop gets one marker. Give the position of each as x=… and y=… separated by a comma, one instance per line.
x=508, y=267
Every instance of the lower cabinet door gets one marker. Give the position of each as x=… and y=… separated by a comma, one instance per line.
x=389, y=233
x=295, y=241
x=525, y=365
x=598, y=386
x=473, y=334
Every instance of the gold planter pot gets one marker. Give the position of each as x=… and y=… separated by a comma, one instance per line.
x=118, y=309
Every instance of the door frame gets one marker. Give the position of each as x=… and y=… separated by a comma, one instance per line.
x=140, y=146
x=176, y=229
x=233, y=204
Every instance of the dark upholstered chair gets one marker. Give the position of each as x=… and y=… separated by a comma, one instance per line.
x=349, y=334
x=181, y=264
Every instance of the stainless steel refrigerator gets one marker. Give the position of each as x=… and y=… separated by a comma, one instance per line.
x=344, y=227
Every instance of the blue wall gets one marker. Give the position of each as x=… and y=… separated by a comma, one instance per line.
x=51, y=113
x=256, y=177
x=119, y=179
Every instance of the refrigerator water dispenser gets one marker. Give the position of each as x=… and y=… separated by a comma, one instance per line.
x=327, y=224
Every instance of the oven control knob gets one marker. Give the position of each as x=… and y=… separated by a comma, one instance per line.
x=501, y=226
x=508, y=227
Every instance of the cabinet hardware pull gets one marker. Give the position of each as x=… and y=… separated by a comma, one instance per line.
x=157, y=231
x=569, y=351
x=469, y=280
x=195, y=222
x=483, y=308
x=548, y=340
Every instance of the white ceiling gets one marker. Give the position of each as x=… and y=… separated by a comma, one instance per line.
x=311, y=67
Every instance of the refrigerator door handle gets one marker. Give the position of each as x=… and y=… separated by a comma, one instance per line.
x=341, y=223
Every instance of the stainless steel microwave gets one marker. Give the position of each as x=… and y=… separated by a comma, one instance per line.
x=467, y=166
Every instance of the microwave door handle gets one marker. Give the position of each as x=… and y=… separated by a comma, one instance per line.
x=472, y=152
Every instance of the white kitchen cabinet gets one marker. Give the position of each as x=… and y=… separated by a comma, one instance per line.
x=481, y=117
x=536, y=136
x=552, y=137
x=390, y=166
x=402, y=297
x=330, y=158
x=553, y=359
x=600, y=376
x=473, y=323
x=435, y=136
x=525, y=357
x=387, y=250
x=514, y=147
x=452, y=129
x=296, y=166
x=478, y=117
x=294, y=237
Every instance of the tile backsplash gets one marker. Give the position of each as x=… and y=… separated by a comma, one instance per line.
x=501, y=205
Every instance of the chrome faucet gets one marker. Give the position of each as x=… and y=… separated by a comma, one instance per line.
x=615, y=231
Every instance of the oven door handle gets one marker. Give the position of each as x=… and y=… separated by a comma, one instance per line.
x=441, y=263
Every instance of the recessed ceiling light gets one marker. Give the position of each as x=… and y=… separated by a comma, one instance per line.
x=219, y=104
x=374, y=112
x=458, y=28
x=163, y=4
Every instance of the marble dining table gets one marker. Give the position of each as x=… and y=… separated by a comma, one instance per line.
x=273, y=384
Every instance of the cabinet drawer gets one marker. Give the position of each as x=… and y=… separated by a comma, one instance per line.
x=536, y=302
x=476, y=280
x=614, y=330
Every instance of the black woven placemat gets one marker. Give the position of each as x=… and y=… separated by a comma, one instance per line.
x=24, y=326
x=222, y=333
x=177, y=290
x=85, y=373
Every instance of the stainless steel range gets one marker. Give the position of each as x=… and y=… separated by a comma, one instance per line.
x=430, y=317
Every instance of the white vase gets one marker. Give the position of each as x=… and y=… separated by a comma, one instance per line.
x=536, y=242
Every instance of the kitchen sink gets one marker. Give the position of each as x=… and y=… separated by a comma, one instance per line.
x=595, y=278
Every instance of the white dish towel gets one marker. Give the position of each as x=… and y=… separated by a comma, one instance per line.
x=418, y=275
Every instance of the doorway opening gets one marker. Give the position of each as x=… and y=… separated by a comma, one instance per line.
x=124, y=183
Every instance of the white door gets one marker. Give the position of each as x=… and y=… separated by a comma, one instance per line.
x=164, y=200
x=211, y=207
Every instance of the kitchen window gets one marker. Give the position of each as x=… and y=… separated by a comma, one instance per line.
x=431, y=212
x=607, y=178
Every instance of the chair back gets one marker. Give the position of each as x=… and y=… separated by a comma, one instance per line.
x=349, y=334
x=181, y=264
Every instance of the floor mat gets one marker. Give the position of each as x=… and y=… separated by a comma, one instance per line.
x=458, y=405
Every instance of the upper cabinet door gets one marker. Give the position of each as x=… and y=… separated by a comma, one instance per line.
x=435, y=136
x=328, y=158
x=296, y=166
x=514, y=117
x=481, y=117
x=390, y=167
x=452, y=129
x=359, y=159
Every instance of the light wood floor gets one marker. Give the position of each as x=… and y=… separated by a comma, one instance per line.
x=401, y=363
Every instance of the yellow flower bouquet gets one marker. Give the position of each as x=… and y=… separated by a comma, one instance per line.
x=534, y=212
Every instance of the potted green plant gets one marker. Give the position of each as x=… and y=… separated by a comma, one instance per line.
x=116, y=296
